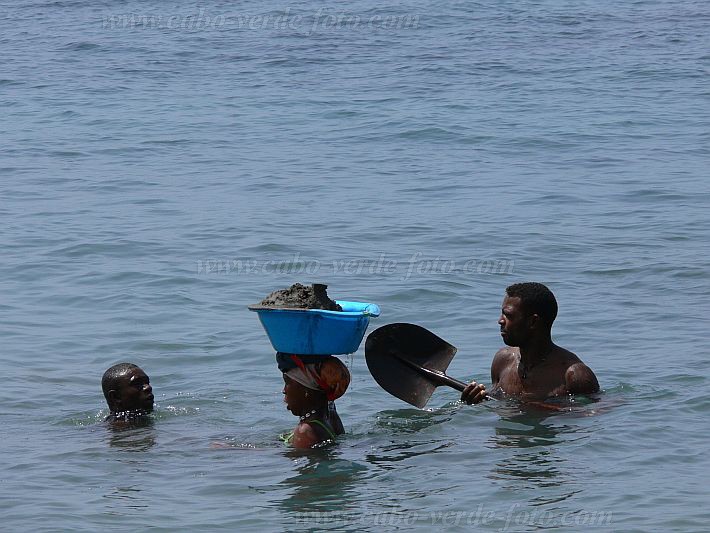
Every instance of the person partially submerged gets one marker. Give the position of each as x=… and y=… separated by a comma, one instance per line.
x=531, y=366
x=311, y=386
x=128, y=392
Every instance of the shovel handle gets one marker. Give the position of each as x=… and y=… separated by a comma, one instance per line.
x=451, y=382
x=439, y=377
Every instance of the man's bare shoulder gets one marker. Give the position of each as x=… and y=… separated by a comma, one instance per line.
x=506, y=355
x=580, y=379
x=503, y=358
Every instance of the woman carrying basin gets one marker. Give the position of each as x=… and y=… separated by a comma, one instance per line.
x=306, y=328
x=310, y=391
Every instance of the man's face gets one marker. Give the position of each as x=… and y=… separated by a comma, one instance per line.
x=135, y=392
x=514, y=322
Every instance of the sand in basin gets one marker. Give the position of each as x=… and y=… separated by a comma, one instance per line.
x=301, y=297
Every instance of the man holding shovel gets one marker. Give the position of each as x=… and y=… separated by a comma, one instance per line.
x=531, y=366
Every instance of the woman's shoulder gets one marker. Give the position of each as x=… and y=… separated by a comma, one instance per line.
x=304, y=436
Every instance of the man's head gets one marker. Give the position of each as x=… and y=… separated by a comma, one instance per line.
x=528, y=309
x=127, y=389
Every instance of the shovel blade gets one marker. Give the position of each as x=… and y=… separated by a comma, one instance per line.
x=393, y=352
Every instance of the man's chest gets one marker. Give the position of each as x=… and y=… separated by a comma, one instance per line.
x=537, y=383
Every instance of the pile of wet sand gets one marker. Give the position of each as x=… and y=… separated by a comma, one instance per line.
x=299, y=296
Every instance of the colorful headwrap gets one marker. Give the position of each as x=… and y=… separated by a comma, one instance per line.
x=327, y=374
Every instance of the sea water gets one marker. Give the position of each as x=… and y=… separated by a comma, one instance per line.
x=165, y=164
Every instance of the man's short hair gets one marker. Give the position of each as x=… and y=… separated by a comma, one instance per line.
x=113, y=374
x=536, y=298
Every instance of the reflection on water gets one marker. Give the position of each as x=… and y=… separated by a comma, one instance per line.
x=401, y=451
x=531, y=434
x=531, y=437
x=323, y=483
x=135, y=435
x=407, y=421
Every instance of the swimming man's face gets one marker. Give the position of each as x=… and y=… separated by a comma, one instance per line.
x=135, y=392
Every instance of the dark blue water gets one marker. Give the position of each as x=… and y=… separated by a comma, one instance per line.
x=158, y=173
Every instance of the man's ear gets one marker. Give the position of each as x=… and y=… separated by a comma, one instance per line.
x=113, y=398
x=534, y=320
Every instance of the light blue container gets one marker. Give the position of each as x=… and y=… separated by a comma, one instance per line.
x=316, y=331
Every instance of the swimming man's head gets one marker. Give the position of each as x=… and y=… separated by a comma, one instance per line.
x=127, y=389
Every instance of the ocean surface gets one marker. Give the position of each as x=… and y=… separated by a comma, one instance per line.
x=165, y=164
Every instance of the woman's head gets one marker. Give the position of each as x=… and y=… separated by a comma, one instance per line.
x=308, y=386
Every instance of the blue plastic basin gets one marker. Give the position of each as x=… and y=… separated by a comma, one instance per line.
x=315, y=331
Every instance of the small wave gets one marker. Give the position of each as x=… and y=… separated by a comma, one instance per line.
x=81, y=46
x=422, y=294
x=410, y=420
x=645, y=195
x=556, y=199
x=428, y=134
x=119, y=249
x=169, y=142
x=270, y=247
x=173, y=411
x=68, y=154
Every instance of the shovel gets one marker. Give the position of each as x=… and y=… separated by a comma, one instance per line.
x=409, y=362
